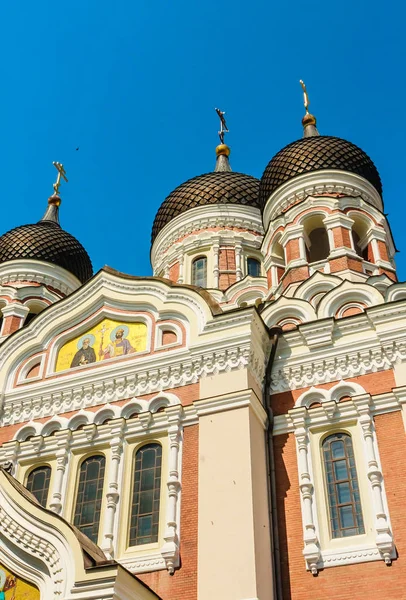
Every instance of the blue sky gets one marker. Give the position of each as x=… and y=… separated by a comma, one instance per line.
x=134, y=84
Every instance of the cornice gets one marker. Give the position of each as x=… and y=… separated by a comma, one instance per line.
x=203, y=217
x=37, y=271
x=327, y=181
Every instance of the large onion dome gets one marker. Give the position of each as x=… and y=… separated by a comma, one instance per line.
x=48, y=242
x=222, y=186
x=316, y=153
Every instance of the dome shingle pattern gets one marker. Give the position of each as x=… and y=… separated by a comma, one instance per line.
x=315, y=154
x=48, y=242
x=225, y=187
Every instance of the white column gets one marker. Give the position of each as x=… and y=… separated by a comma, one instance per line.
x=384, y=540
x=216, y=250
x=116, y=446
x=170, y=550
x=311, y=550
x=181, y=264
x=238, y=262
x=62, y=457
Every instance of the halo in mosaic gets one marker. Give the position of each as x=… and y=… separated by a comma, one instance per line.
x=315, y=154
x=224, y=187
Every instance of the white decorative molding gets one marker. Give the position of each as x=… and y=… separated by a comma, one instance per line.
x=300, y=421
x=200, y=218
x=37, y=271
x=327, y=181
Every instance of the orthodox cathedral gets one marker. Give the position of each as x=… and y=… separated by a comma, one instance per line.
x=231, y=427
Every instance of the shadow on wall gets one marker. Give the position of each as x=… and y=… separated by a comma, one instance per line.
x=281, y=456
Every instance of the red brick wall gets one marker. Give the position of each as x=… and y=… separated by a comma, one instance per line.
x=169, y=337
x=174, y=272
x=341, y=237
x=364, y=581
x=182, y=585
x=226, y=263
x=10, y=325
x=383, y=251
x=292, y=250
x=344, y=262
x=294, y=275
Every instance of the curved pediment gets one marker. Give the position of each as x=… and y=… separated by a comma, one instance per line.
x=112, y=317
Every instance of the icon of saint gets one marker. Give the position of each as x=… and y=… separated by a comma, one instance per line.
x=119, y=346
x=84, y=355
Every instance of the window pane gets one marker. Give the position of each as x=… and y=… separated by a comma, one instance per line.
x=199, y=271
x=342, y=486
x=146, y=495
x=253, y=267
x=89, y=498
x=38, y=484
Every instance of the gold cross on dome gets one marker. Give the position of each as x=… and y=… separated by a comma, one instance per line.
x=223, y=124
x=61, y=173
x=306, y=101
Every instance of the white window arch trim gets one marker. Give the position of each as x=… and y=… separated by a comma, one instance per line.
x=163, y=327
x=309, y=427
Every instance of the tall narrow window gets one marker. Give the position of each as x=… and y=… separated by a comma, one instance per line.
x=199, y=271
x=38, y=483
x=342, y=486
x=146, y=495
x=89, y=498
x=253, y=267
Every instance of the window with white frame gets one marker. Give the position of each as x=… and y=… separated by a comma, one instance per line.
x=253, y=267
x=89, y=496
x=199, y=271
x=344, y=502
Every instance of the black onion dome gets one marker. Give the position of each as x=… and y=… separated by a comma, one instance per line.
x=315, y=154
x=218, y=187
x=48, y=242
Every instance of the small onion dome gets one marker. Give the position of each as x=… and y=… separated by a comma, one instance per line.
x=218, y=187
x=316, y=153
x=222, y=186
x=48, y=242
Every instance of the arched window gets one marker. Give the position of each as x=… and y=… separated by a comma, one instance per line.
x=144, y=523
x=319, y=248
x=199, y=271
x=342, y=486
x=38, y=483
x=253, y=267
x=89, y=496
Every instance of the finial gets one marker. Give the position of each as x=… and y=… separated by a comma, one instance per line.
x=222, y=150
x=309, y=120
x=223, y=124
x=54, y=201
x=61, y=173
x=305, y=96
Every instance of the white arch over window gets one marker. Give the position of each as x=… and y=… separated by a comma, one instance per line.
x=161, y=328
x=288, y=308
x=29, y=430
x=55, y=424
x=338, y=391
x=112, y=412
x=83, y=417
x=346, y=293
x=134, y=407
x=162, y=401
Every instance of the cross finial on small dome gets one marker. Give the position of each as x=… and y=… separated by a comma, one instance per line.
x=309, y=120
x=222, y=150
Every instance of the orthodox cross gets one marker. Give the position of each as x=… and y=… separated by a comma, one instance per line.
x=61, y=173
x=223, y=124
x=305, y=96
